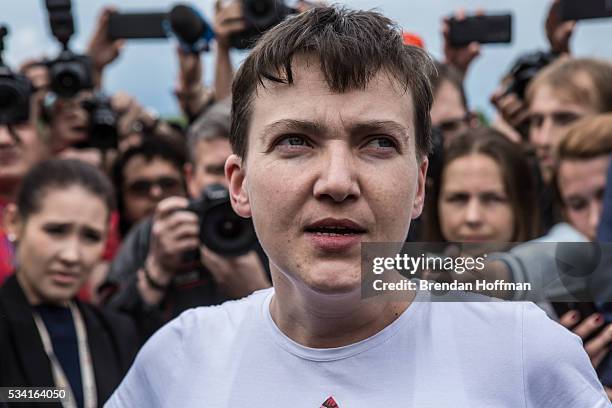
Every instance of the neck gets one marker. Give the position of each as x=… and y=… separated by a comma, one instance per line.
x=8, y=192
x=322, y=320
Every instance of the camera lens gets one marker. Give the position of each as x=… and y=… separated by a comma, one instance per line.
x=8, y=97
x=260, y=8
x=224, y=232
x=68, y=82
x=229, y=228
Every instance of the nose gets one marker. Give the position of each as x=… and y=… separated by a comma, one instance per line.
x=5, y=136
x=595, y=210
x=542, y=136
x=338, y=175
x=71, y=252
x=473, y=213
x=156, y=191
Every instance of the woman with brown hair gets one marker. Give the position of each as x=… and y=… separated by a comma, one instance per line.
x=486, y=192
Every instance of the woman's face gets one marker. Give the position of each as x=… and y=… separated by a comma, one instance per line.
x=474, y=205
x=59, y=245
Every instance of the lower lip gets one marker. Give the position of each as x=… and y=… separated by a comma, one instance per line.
x=64, y=279
x=334, y=243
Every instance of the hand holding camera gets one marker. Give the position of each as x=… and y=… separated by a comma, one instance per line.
x=174, y=232
x=229, y=20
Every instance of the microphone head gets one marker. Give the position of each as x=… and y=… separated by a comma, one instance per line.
x=186, y=23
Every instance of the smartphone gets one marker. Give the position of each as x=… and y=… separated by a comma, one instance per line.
x=136, y=25
x=585, y=9
x=493, y=28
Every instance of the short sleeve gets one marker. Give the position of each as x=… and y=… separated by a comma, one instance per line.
x=156, y=367
x=556, y=370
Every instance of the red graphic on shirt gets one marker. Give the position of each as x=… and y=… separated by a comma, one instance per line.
x=329, y=403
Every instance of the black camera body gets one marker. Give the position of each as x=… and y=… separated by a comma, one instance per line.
x=221, y=229
x=102, y=133
x=15, y=91
x=525, y=69
x=259, y=16
x=70, y=73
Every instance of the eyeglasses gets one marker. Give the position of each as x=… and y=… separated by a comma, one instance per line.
x=167, y=185
x=453, y=125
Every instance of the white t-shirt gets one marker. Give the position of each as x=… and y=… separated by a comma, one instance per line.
x=461, y=354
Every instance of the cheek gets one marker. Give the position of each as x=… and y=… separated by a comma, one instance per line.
x=92, y=254
x=577, y=218
x=450, y=221
x=503, y=219
x=34, y=252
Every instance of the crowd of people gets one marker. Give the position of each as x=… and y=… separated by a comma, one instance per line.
x=100, y=248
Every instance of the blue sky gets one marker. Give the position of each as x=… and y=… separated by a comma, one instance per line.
x=147, y=69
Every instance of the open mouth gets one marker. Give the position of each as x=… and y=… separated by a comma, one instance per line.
x=335, y=235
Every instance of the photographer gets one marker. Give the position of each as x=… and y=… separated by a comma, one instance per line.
x=145, y=174
x=149, y=278
x=21, y=145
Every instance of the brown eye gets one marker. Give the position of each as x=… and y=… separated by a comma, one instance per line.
x=56, y=229
x=458, y=198
x=577, y=205
x=535, y=121
x=92, y=236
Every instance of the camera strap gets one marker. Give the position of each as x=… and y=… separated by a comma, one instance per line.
x=85, y=361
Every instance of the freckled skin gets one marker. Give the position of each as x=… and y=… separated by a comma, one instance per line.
x=339, y=176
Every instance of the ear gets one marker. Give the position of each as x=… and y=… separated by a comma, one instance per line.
x=236, y=174
x=189, y=179
x=419, y=198
x=11, y=222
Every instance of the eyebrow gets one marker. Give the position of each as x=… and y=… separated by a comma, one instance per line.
x=318, y=128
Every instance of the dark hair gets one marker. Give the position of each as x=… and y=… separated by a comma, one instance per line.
x=61, y=174
x=352, y=46
x=151, y=148
x=517, y=177
x=453, y=76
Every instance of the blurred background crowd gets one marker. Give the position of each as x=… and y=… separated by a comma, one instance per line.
x=115, y=218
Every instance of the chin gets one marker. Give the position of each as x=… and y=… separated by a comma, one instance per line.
x=331, y=283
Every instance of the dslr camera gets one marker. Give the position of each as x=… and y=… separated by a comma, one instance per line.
x=15, y=91
x=259, y=16
x=221, y=229
x=102, y=133
x=69, y=72
x=525, y=69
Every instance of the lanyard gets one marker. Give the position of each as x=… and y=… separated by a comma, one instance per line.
x=59, y=377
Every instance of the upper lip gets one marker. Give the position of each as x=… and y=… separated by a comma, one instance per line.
x=336, y=223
